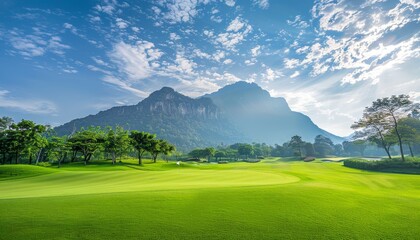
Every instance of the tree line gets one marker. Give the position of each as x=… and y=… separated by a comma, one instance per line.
x=29, y=142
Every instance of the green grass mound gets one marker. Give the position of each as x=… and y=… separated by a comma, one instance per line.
x=8, y=172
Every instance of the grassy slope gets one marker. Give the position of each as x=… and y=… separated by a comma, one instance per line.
x=268, y=200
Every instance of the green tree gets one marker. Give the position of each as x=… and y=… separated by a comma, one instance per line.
x=410, y=132
x=360, y=145
x=323, y=146
x=141, y=141
x=58, y=148
x=391, y=110
x=87, y=142
x=246, y=150
x=117, y=142
x=25, y=137
x=209, y=152
x=296, y=144
x=219, y=154
x=374, y=128
x=159, y=146
x=167, y=148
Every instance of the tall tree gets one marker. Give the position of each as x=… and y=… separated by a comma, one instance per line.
x=25, y=136
x=390, y=110
x=141, y=141
x=159, y=146
x=245, y=150
x=374, y=128
x=296, y=144
x=88, y=142
x=323, y=145
x=116, y=142
x=58, y=148
x=410, y=132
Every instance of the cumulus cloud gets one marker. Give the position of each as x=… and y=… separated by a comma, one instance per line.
x=256, y=51
x=178, y=10
x=360, y=40
x=121, y=23
x=235, y=33
x=174, y=36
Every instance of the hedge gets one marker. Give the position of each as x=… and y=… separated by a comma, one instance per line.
x=413, y=163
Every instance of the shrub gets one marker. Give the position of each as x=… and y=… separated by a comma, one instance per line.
x=412, y=163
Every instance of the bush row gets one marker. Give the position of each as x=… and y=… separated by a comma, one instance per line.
x=382, y=164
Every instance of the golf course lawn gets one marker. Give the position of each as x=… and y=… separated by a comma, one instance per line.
x=273, y=199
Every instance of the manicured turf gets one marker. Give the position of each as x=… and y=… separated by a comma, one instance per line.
x=273, y=199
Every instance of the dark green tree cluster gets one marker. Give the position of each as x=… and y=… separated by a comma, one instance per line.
x=391, y=121
x=29, y=142
x=233, y=152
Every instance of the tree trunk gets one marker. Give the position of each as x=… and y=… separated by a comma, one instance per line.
x=17, y=157
x=39, y=156
x=399, y=138
x=387, y=152
x=113, y=158
x=384, y=144
x=411, y=150
x=139, y=156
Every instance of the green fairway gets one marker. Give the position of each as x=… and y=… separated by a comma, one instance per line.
x=273, y=199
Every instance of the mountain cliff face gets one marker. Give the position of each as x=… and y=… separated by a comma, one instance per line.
x=186, y=122
x=241, y=112
x=264, y=118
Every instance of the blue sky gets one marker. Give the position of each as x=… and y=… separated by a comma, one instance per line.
x=62, y=60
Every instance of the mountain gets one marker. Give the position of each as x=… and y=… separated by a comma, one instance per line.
x=241, y=112
x=263, y=118
x=184, y=121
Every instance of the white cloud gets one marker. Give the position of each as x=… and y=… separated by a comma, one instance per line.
x=183, y=65
x=295, y=74
x=291, y=63
x=236, y=25
x=230, y=3
x=228, y=61
x=270, y=75
x=174, y=36
x=26, y=105
x=198, y=53
x=179, y=10
x=298, y=22
x=264, y=4
x=36, y=45
x=235, y=33
x=121, y=23
x=364, y=46
x=135, y=61
x=256, y=51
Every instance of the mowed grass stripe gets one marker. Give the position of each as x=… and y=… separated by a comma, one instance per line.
x=75, y=183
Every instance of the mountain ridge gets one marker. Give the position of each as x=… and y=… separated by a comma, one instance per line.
x=240, y=112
